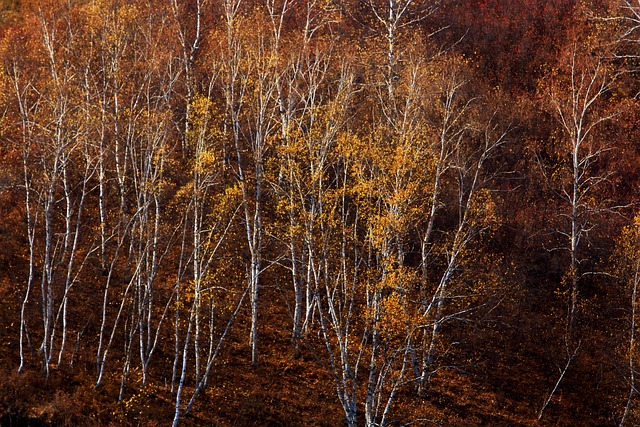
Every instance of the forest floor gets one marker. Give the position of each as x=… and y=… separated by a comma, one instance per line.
x=485, y=385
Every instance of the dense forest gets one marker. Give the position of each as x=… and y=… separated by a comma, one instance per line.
x=319, y=212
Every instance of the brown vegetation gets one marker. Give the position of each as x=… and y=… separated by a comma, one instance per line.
x=319, y=213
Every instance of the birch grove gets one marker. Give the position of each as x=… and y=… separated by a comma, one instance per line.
x=331, y=191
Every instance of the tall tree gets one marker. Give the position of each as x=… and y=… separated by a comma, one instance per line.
x=576, y=93
x=250, y=82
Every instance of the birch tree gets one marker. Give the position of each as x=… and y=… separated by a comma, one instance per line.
x=52, y=141
x=207, y=297
x=127, y=86
x=577, y=95
x=312, y=112
x=250, y=88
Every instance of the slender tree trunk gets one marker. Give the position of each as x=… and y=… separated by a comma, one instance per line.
x=31, y=227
